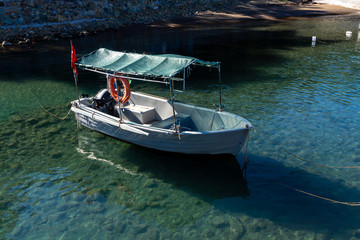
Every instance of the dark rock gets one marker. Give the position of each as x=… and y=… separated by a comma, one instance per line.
x=140, y=228
x=152, y=234
x=79, y=197
x=120, y=226
x=5, y=43
x=357, y=234
x=220, y=222
x=236, y=228
x=108, y=226
x=97, y=207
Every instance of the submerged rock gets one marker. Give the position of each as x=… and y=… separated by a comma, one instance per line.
x=97, y=207
x=78, y=197
x=152, y=234
x=120, y=226
x=220, y=222
x=356, y=234
x=140, y=228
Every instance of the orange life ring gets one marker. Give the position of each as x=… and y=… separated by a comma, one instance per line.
x=114, y=91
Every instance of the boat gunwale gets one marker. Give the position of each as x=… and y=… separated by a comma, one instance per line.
x=116, y=121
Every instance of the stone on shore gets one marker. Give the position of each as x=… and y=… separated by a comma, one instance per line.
x=5, y=43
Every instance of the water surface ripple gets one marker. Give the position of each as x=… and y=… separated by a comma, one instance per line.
x=58, y=182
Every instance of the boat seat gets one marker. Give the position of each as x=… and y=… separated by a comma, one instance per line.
x=138, y=113
x=182, y=119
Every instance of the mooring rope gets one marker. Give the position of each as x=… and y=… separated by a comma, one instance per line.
x=62, y=118
x=307, y=161
x=352, y=204
x=244, y=151
x=246, y=160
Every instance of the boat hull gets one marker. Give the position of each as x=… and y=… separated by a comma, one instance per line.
x=186, y=142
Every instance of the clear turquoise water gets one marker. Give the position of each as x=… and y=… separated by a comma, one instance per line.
x=58, y=182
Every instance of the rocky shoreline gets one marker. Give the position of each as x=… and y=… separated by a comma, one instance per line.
x=19, y=34
x=47, y=31
x=43, y=20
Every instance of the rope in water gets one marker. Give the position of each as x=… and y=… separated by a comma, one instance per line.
x=245, y=153
x=307, y=161
x=352, y=204
x=61, y=118
x=246, y=160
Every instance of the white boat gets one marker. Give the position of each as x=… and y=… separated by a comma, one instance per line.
x=151, y=121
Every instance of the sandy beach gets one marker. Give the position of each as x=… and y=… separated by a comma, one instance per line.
x=264, y=10
x=355, y=4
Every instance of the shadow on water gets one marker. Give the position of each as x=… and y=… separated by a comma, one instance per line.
x=240, y=48
x=219, y=181
x=144, y=39
x=212, y=177
x=273, y=196
x=208, y=177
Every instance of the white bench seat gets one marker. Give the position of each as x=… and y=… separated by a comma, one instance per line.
x=139, y=113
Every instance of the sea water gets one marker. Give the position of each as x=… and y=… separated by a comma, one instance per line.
x=60, y=182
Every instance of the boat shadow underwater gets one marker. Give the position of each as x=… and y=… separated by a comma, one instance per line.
x=209, y=177
x=275, y=196
x=218, y=180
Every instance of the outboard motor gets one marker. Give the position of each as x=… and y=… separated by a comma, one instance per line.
x=102, y=100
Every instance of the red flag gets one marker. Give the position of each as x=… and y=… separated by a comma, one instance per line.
x=73, y=59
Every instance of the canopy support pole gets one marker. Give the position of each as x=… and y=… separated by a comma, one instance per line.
x=172, y=102
x=220, y=83
x=184, y=80
x=118, y=99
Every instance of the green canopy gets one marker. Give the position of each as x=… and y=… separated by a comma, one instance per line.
x=166, y=65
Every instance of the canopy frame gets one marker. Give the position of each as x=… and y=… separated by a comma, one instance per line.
x=112, y=63
x=165, y=78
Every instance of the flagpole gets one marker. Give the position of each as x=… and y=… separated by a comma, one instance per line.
x=76, y=86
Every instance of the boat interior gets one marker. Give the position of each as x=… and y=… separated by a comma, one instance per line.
x=157, y=112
